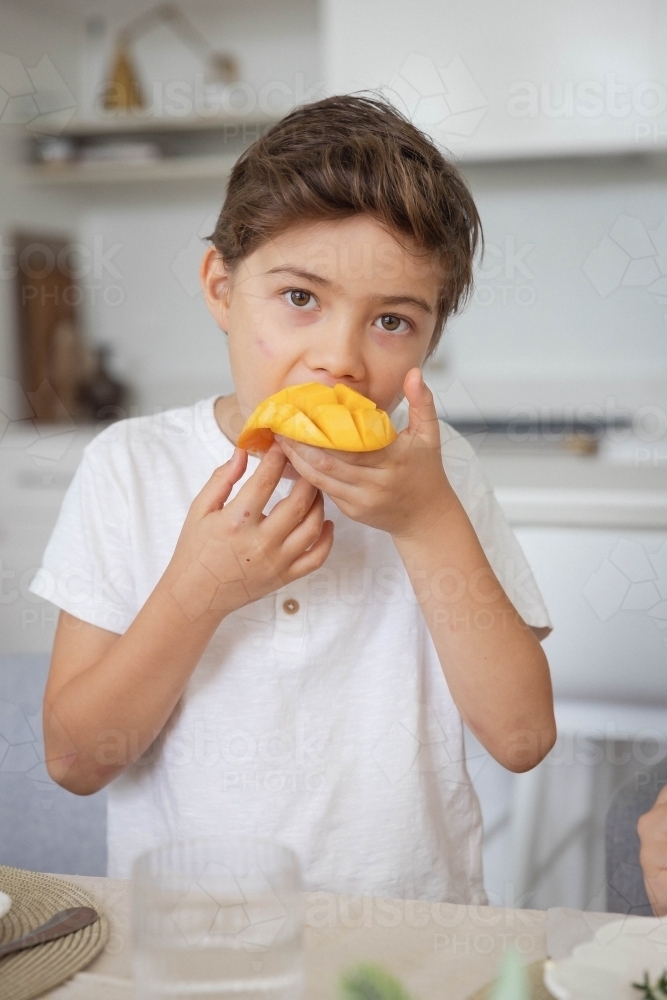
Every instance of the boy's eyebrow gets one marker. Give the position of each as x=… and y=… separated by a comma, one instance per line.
x=387, y=300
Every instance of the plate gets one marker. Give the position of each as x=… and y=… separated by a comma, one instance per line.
x=5, y=904
x=606, y=967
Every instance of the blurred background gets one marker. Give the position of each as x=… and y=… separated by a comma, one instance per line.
x=119, y=123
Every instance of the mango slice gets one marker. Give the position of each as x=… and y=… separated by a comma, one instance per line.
x=316, y=414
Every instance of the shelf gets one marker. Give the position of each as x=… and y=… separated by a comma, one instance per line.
x=534, y=151
x=176, y=168
x=138, y=124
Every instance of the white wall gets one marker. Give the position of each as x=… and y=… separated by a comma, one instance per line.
x=543, y=305
x=547, y=317
x=141, y=293
x=147, y=302
x=29, y=42
x=536, y=317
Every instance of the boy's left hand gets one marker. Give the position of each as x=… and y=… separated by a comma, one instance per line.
x=402, y=488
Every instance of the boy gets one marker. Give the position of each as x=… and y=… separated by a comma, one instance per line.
x=286, y=647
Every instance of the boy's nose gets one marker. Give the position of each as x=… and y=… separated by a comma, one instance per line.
x=338, y=352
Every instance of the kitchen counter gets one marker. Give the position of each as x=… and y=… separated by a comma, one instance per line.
x=533, y=486
x=576, y=490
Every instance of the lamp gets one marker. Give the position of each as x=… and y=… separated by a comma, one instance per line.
x=123, y=91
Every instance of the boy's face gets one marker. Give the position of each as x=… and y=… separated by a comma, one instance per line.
x=325, y=302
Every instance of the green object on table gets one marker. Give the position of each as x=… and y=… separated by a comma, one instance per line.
x=370, y=982
x=655, y=991
x=512, y=982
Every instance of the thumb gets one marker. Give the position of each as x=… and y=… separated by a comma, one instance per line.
x=423, y=419
x=217, y=489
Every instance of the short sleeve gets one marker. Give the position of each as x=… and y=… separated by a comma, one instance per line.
x=85, y=568
x=499, y=542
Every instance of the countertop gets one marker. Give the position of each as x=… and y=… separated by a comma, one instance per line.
x=626, y=489
x=577, y=490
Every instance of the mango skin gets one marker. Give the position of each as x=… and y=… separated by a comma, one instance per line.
x=327, y=417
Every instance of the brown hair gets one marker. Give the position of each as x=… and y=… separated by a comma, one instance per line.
x=346, y=156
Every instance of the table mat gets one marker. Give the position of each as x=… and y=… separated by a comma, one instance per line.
x=538, y=990
x=35, y=898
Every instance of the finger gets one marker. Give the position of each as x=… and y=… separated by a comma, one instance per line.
x=423, y=418
x=346, y=458
x=328, y=484
x=217, y=489
x=316, y=554
x=288, y=512
x=346, y=466
x=662, y=796
x=306, y=532
x=256, y=492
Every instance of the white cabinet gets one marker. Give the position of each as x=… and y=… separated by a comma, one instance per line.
x=594, y=531
x=523, y=78
x=35, y=472
x=606, y=591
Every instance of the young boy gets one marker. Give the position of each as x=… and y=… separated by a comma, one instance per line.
x=286, y=647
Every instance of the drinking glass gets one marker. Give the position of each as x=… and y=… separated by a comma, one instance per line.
x=218, y=918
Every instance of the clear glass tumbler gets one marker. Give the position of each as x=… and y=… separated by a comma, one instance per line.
x=218, y=919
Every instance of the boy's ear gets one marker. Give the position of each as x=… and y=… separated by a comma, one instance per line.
x=216, y=284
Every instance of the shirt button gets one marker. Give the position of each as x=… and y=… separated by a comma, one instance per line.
x=290, y=606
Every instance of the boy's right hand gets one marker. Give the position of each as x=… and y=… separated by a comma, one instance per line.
x=230, y=555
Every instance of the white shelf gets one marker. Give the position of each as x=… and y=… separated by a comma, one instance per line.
x=112, y=124
x=516, y=152
x=210, y=167
x=176, y=168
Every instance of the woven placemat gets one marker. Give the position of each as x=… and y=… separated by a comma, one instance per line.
x=538, y=990
x=35, y=898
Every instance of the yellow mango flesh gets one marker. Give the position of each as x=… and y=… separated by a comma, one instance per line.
x=316, y=414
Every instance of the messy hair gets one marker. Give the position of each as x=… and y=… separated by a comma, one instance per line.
x=346, y=156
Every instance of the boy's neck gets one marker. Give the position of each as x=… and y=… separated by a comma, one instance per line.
x=228, y=416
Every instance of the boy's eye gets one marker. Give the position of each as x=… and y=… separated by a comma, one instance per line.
x=392, y=324
x=299, y=298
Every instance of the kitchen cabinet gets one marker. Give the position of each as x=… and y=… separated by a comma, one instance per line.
x=36, y=469
x=606, y=591
x=526, y=79
x=595, y=534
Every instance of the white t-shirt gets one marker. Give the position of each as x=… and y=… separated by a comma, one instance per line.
x=330, y=728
